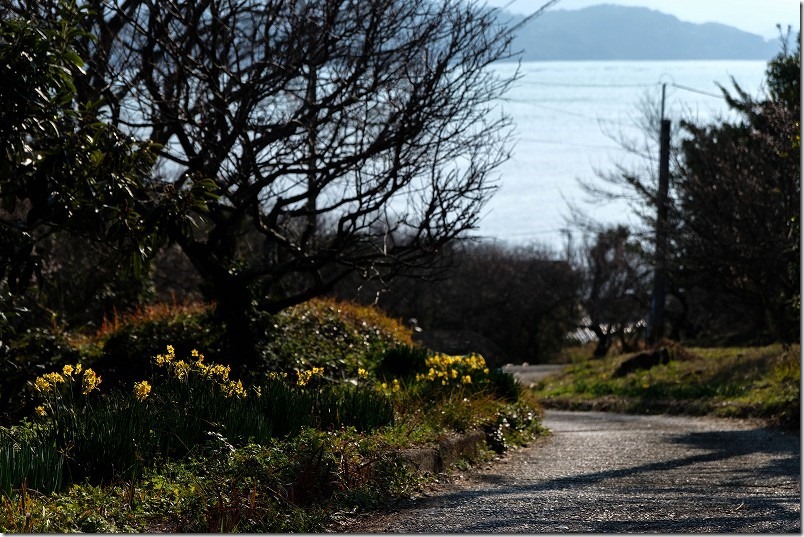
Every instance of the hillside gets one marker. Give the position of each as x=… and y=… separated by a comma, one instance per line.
x=611, y=32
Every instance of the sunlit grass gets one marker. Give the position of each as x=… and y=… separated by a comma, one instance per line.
x=740, y=382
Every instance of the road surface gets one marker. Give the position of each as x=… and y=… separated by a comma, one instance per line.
x=603, y=472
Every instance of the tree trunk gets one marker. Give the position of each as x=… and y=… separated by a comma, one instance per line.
x=603, y=341
x=235, y=312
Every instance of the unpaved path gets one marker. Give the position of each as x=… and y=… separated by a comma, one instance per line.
x=603, y=472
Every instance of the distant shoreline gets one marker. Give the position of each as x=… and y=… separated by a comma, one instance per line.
x=621, y=33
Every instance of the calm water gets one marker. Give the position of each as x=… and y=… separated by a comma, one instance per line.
x=568, y=116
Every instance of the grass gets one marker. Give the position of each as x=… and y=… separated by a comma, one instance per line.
x=744, y=382
x=183, y=447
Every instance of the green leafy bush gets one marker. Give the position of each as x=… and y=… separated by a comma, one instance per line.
x=340, y=336
x=130, y=341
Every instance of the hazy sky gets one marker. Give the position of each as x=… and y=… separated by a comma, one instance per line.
x=755, y=16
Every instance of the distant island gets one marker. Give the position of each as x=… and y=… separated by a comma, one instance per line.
x=612, y=32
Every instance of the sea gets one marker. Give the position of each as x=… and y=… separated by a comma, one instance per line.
x=574, y=121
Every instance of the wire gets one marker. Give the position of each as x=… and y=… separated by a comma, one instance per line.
x=693, y=90
x=552, y=109
x=571, y=144
x=565, y=85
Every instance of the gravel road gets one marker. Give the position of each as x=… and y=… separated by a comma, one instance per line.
x=603, y=472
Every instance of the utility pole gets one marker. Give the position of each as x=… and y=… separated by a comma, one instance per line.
x=656, y=319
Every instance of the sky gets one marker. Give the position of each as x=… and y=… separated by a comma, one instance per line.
x=755, y=16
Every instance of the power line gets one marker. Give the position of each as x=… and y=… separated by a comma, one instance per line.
x=572, y=144
x=693, y=90
x=550, y=108
x=566, y=85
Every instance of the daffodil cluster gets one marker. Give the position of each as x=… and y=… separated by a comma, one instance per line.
x=217, y=373
x=454, y=370
x=306, y=375
x=49, y=382
x=48, y=385
x=394, y=387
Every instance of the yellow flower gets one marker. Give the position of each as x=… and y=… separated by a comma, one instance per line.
x=67, y=370
x=234, y=388
x=217, y=370
x=40, y=410
x=141, y=390
x=53, y=378
x=194, y=353
x=362, y=373
x=396, y=387
x=47, y=381
x=162, y=359
x=41, y=385
x=77, y=369
x=91, y=381
x=466, y=379
x=304, y=377
x=181, y=369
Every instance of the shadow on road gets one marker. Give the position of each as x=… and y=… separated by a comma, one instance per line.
x=705, y=491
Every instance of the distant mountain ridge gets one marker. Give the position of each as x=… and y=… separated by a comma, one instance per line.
x=613, y=32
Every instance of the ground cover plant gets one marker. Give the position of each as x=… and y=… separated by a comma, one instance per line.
x=746, y=382
x=189, y=445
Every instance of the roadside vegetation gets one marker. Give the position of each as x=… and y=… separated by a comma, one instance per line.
x=179, y=443
x=740, y=382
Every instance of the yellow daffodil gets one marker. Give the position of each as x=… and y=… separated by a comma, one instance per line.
x=91, y=381
x=181, y=369
x=141, y=390
x=41, y=385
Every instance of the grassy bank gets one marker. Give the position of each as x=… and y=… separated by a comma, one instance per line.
x=744, y=382
x=120, y=437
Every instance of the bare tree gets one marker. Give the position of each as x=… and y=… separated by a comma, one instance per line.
x=615, y=288
x=342, y=135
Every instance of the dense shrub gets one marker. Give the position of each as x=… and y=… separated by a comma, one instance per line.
x=341, y=336
x=130, y=341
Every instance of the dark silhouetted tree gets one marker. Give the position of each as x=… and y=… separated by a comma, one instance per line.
x=738, y=201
